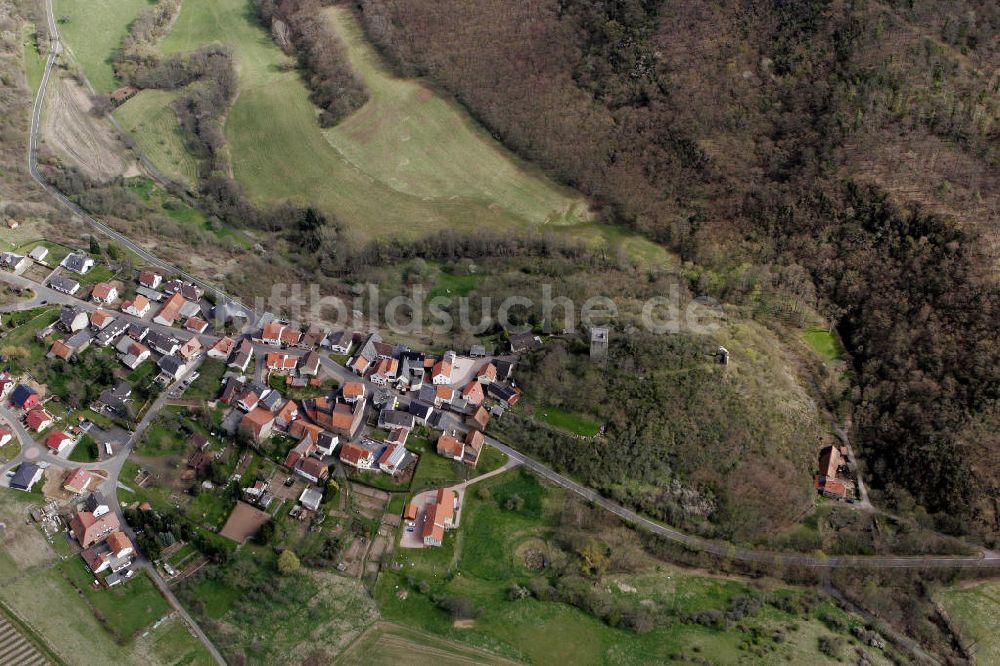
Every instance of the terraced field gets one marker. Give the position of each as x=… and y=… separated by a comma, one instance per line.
x=16, y=649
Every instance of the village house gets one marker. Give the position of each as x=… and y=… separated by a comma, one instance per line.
x=421, y=411
x=478, y=419
x=38, y=419
x=5, y=435
x=312, y=337
x=100, y=319
x=149, y=279
x=474, y=441
x=441, y=371
x=279, y=363
x=112, y=329
x=58, y=441
x=258, y=423
x=487, y=373
x=313, y=469
x=450, y=447
x=172, y=368
x=189, y=291
x=520, y=343
x=391, y=459
x=353, y=391
x=326, y=443
x=78, y=480
x=357, y=456
x=241, y=356
x=26, y=476
x=115, y=400
x=61, y=350
x=340, y=342
x=398, y=436
x=64, y=285
x=366, y=356
x=290, y=336
x=93, y=521
x=78, y=263
x=222, y=348
x=114, y=554
x=196, y=325
x=72, y=320
x=472, y=393
x=309, y=366
x=170, y=311
x=190, y=348
x=137, y=331
x=131, y=353
x=137, y=307
x=395, y=418
x=504, y=393
x=271, y=333
x=16, y=263
x=104, y=292
x=162, y=343
x=438, y=517
x=24, y=397
x=39, y=253
x=285, y=416
x=385, y=371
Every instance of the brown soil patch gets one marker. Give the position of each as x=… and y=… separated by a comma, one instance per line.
x=533, y=554
x=84, y=140
x=243, y=522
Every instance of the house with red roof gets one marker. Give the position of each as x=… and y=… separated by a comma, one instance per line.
x=104, y=292
x=90, y=528
x=137, y=307
x=439, y=517
x=38, y=419
x=473, y=393
x=357, y=456
x=57, y=441
x=149, y=279
x=78, y=480
x=450, y=447
x=258, y=423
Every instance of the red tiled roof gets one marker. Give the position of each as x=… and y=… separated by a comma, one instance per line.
x=449, y=446
x=353, y=453
x=102, y=290
x=55, y=440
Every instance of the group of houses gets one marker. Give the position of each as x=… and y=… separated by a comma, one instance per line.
x=106, y=548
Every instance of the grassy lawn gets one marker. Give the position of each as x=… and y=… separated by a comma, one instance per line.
x=449, y=285
x=151, y=121
x=99, y=273
x=434, y=471
x=825, y=343
x=976, y=611
x=85, y=450
x=278, y=382
x=93, y=29
x=410, y=162
x=578, y=424
x=396, y=504
x=208, y=385
x=57, y=251
x=20, y=336
x=128, y=608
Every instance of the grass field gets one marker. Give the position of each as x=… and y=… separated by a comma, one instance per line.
x=976, y=611
x=825, y=343
x=386, y=644
x=93, y=29
x=428, y=168
x=151, y=121
x=578, y=424
x=128, y=609
x=34, y=62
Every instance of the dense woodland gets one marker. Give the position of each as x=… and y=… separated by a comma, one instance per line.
x=855, y=142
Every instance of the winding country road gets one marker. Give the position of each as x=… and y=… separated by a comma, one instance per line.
x=983, y=560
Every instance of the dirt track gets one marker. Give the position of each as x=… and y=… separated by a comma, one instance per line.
x=85, y=141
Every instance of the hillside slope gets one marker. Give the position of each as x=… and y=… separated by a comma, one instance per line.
x=847, y=151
